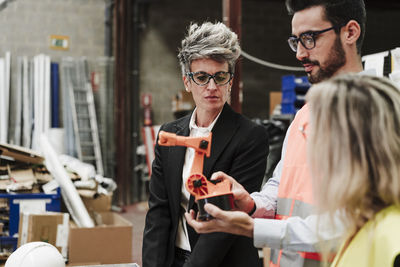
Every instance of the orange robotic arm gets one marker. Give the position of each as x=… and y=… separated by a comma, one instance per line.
x=201, y=145
x=204, y=191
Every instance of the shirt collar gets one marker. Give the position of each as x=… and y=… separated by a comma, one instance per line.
x=192, y=123
x=371, y=72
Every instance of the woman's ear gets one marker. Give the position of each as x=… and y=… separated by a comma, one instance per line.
x=230, y=84
x=186, y=83
x=352, y=31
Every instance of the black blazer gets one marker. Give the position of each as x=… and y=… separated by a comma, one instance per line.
x=239, y=148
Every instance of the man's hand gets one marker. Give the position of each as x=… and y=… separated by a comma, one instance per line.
x=233, y=222
x=242, y=198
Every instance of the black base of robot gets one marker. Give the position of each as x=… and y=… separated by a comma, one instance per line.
x=224, y=202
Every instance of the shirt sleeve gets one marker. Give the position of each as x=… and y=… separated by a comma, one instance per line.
x=266, y=199
x=309, y=234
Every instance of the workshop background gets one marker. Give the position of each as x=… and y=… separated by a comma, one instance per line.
x=129, y=49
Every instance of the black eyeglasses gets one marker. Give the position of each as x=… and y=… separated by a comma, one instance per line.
x=307, y=39
x=203, y=78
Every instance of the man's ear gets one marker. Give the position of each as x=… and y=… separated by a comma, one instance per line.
x=352, y=32
x=186, y=82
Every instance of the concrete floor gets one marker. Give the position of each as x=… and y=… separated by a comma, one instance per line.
x=136, y=214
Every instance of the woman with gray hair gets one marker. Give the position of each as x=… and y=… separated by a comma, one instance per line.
x=239, y=147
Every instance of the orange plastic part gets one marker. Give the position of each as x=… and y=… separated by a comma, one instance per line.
x=197, y=184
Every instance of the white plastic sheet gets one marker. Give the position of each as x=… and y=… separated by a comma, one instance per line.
x=70, y=195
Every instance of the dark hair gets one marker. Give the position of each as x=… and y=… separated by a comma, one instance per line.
x=338, y=12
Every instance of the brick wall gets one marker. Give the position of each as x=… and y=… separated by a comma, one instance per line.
x=382, y=29
x=166, y=26
x=26, y=26
x=265, y=28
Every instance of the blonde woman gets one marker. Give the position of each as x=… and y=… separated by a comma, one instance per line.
x=354, y=149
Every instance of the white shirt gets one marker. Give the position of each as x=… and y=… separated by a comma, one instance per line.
x=182, y=237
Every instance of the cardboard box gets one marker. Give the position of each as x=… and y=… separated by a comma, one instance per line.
x=50, y=227
x=183, y=101
x=96, y=202
x=21, y=153
x=275, y=98
x=106, y=244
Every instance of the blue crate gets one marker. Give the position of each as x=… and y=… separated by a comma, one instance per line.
x=291, y=82
x=288, y=108
x=288, y=96
x=8, y=242
x=53, y=203
x=293, y=91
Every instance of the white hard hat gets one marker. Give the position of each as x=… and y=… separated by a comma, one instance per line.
x=36, y=254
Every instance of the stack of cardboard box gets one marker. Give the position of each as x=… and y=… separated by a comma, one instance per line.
x=22, y=173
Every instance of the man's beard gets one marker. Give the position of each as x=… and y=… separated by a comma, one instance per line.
x=336, y=60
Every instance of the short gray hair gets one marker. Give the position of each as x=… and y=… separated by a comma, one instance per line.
x=209, y=40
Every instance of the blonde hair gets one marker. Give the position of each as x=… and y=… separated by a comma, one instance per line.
x=354, y=146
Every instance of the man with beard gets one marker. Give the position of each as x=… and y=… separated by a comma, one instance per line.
x=328, y=22
x=327, y=36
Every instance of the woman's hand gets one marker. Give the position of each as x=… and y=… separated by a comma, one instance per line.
x=233, y=222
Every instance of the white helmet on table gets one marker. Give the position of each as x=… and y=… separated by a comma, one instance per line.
x=36, y=254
